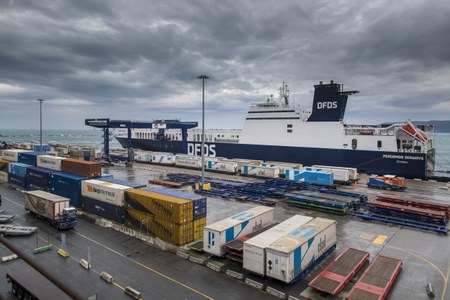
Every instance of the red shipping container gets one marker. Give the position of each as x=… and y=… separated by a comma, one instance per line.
x=84, y=168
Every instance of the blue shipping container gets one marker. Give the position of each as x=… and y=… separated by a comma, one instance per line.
x=199, y=208
x=75, y=197
x=65, y=181
x=105, y=176
x=45, y=147
x=199, y=201
x=124, y=182
x=31, y=184
x=319, y=177
x=29, y=158
x=17, y=180
x=18, y=169
x=39, y=174
x=104, y=209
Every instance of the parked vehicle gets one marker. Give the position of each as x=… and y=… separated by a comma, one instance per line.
x=51, y=207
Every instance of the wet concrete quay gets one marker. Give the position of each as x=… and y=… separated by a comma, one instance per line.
x=162, y=274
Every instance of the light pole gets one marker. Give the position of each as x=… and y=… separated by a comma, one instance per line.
x=203, y=78
x=40, y=121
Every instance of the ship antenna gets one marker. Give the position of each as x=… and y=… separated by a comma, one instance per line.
x=284, y=94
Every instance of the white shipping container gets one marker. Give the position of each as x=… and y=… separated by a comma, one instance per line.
x=224, y=231
x=49, y=162
x=282, y=165
x=142, y=157
x=259, y=171
x=288, y=257
x=12, y=154
x=255, y=248
x=222, y=166
x=45, y=204
x=104, y=191
x=352, y=172
x=3, y=177
x=163, y=158
x=242, y=162
x=188, y=162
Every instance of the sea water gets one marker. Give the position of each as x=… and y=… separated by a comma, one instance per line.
x=95, y=138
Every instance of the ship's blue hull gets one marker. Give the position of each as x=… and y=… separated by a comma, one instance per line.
x=409, y=165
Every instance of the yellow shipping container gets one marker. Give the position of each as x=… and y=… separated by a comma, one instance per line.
x=199, y=225
x=165, y=207
x=178, y=234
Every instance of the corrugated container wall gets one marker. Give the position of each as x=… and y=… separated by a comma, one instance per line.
x=82, y=168
x=288, y=258
x=104, y=209
x=199, y=205
x=104, y=191
x=123, y=182
x=17, y=180
x=39, y=174
x=3, y=177
x=12, y=154
x=4, y=165
x=67, y=185
x=165, y=207
x=50, y=162
x=217, y=234
x=29, y=158
x=44, y=148
x=178, y=234
x=255, y=248
x=18, y=169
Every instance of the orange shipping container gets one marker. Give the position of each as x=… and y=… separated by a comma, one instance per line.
x=81, y=167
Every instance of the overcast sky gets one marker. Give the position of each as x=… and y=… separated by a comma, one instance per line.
x=139, y=60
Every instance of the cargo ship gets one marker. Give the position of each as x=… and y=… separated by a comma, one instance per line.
x=275, y=130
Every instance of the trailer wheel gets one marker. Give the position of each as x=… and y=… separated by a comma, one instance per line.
x=27, y=296
x=14, y=289
x=20, y=294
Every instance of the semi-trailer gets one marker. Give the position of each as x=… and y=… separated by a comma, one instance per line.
x=27, y=283
x=218, y=234
x=51, y=207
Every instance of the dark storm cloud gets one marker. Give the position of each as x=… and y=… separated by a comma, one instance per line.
x=140, y=59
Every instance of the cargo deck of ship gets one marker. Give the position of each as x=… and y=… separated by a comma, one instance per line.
x=163, y=274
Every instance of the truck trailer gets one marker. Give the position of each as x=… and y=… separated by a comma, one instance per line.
x=51, y=207
x=27, y=283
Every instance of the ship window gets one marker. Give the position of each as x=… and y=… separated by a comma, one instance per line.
x=354, y=144
x=379, y=143
x=237, y=136
x=289, y=130
x=289, y=125
x=218, y=135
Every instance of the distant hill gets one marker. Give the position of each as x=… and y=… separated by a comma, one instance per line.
x=440, y=126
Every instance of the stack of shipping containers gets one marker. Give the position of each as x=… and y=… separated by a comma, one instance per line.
x=17, y=173
x=38, y=179
x=216, y=235
x=255, y=248
x=3, y=170
x=104, y=199
x=67, y=185
x=290, y=257
x=174, y=216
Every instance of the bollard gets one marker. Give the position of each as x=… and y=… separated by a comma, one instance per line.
x=430, y=290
